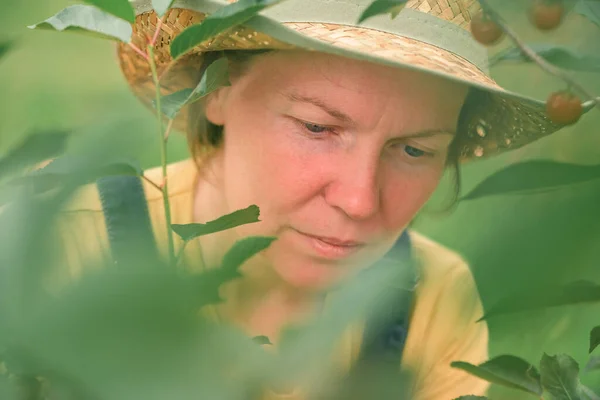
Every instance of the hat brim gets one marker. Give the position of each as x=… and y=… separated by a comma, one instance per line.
x=497, y=120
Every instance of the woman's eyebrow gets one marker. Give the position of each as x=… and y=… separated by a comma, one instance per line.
x=343, y=117
x=335, y=113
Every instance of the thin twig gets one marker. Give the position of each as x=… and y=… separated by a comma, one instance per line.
x=168, y=130
x=163, y=159
x=144, y=177
x=529, y=52
x=180, y=252
x=140, y=52
x=158, y=28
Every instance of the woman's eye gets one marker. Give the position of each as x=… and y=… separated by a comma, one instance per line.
x=414, y=152
x=315, y=128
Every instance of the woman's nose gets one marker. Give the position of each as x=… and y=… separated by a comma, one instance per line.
x=355, y=190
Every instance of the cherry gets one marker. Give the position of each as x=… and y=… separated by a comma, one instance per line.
x=564, y=108
x=485, y=30
x=546, y=14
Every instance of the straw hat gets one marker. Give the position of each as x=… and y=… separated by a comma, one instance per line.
x=427, y=35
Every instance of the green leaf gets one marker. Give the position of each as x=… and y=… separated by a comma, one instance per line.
x=261, y=340
x=471, y=397
x=593, y=364
x=118, y=8
x=33, y=149
x=560, y=377
x=534, y=176
x=240, y=217
x=587, y=393
x=553, y=296
x=377, y=7
x=560, y=56
x=506, y=370
x=594, y=338
x=79, y=170
x=244, y=249
x=224, y=18
x=88, y=20
x=215, y=76
x=5, y=47
x=589, y=9
x=161, y=6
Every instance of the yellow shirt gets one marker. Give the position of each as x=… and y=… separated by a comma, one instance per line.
x=447, y=304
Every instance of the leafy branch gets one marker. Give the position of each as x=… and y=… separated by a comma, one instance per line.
x=533, y=56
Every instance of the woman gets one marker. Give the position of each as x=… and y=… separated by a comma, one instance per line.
x=340, y=133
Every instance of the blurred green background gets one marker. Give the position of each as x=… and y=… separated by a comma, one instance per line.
x=53, y=80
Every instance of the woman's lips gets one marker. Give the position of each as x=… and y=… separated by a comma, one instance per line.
x=331, y=248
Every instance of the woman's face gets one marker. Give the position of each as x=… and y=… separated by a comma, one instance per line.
x=338, y=154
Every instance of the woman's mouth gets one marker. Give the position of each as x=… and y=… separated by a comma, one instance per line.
x=330, y=247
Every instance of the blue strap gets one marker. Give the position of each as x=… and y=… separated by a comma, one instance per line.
x=384, y=337
x=127, y=220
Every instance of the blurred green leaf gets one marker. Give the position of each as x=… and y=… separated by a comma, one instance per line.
x=224, y=18
x=261, y=340
x=34, y=149
x=560, y=377
x=589, y=9
x=593, y=364
x=80, y=169
x=534, y=176
x=594, y=338
x=215, y=76
x=118, y=8
x=240, y=217
x=5, y=47
x=506, y=370
x=161, y=6
x=554, y=296
x=88, y=20
x=377, y=7
x=471, y=397
x=243, y=250
x=561, y=56
x=587, y=393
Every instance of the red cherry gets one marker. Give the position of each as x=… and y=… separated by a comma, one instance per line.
x=485, y=30
x=564, y=108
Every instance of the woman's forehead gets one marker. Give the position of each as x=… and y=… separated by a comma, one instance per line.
x=303, y=71
x=351, y=85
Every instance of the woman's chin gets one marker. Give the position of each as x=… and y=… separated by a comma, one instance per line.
x=310, y=276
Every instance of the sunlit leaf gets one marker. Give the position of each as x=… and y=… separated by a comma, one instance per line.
x=33, y=149
x=562, y=57
x=161, y=6
x=594, y=338
x=534, y=176
x=243, y=250
x=88, y=20
x=589, y=9
x=224, y=18
x=560, y=377
x=377, y=7
x=572, y=293
x=118, y=8
x=506, y=370
x=240, y=217
x=215, y=76
x=261, y=340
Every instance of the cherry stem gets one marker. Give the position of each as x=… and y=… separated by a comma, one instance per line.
x=158, y=28
x=543, y=64
x=140, y=52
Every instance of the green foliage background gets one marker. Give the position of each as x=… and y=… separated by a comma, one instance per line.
x=513, y=243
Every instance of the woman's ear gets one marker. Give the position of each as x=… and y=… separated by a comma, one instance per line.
x=215, y=105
